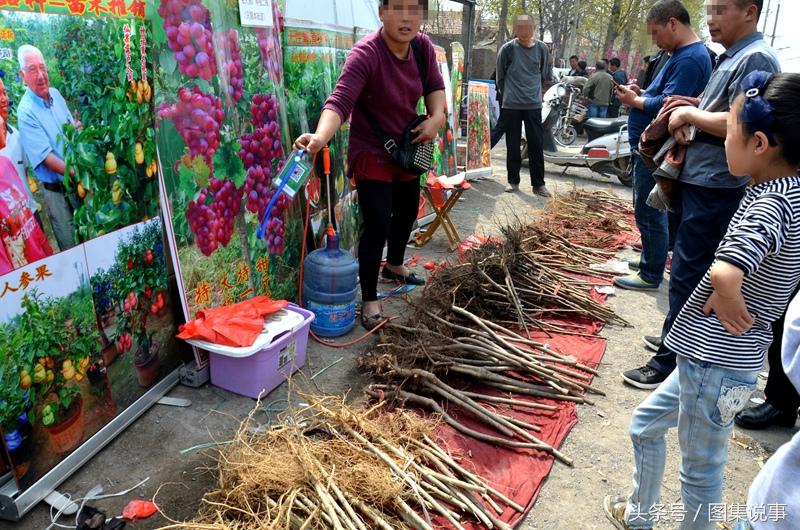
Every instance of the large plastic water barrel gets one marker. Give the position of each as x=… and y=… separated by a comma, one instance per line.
x=330, y=288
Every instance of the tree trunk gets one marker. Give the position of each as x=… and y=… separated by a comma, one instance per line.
x=627, y=36
x=612, y=33
x=541, y=21
x=625, y=51
x=502, y=25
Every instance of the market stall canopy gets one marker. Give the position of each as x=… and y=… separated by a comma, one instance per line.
x=346, y=13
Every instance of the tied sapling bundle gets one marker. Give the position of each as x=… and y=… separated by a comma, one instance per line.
x=336, y=467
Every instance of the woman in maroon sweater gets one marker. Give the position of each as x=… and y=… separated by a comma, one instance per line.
x=381, y=74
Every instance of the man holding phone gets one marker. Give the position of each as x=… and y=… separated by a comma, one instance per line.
x=620, y=77
x=686, y=73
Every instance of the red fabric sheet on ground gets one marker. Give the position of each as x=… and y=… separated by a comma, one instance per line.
x=520, y=473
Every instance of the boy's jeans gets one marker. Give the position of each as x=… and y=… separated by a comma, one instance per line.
x=701, y=399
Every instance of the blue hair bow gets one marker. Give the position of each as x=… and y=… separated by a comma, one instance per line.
x=758, y=113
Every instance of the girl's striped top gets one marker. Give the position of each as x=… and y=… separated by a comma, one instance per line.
x=763, y=240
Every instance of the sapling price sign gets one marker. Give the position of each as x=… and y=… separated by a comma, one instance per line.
x=256, y=13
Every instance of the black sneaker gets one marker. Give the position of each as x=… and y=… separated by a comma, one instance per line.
x=652, y=343
x=645, y=378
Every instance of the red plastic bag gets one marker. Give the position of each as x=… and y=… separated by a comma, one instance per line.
x=473, y=242
x=234, y=325
x=139, y=509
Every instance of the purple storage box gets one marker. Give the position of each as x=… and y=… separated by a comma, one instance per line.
x=257, y=373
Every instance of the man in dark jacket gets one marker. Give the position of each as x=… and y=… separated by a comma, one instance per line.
x=621, y=77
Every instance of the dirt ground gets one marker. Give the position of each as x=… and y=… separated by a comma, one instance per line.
x=571, y=498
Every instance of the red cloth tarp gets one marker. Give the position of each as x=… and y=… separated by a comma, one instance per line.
x=233, y=325
x=519, y=474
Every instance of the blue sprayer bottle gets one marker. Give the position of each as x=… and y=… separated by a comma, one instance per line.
x=330, y=288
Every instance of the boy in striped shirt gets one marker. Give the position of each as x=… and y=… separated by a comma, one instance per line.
x=723, y=331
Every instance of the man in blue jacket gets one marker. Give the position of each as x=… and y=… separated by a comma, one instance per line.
x=685, y=74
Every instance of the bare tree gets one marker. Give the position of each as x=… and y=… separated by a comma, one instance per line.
x=613, y=28
x=502, y=31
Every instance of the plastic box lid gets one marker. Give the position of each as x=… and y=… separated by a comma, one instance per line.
x=276, y=325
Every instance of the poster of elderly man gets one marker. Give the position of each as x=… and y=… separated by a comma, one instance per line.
x=79, y=122
x=41, y=115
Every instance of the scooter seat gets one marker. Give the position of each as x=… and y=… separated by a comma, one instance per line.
x=597, y=127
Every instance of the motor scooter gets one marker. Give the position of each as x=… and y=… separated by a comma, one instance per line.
x=607, y=150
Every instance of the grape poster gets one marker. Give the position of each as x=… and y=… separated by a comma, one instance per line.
x=313, y=59
x=85, y=316
x=222, y=134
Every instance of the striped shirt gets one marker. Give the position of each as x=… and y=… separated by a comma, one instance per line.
x=763, y=240
x=706, y=164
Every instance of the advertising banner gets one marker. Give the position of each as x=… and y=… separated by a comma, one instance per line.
x=456, y=84
x=85, y=317
x=479, y=161
x=222, y=137
x=444, y=156
x=314, y=58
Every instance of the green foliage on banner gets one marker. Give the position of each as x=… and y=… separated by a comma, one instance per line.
x=138, y=286
x=85, y=61
x=55, y=341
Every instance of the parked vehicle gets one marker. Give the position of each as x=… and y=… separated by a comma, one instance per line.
x=607, y=151
x=571, y=110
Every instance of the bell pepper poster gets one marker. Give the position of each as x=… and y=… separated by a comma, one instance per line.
x=444, y=146
x=85, y=318
x=222, y=136
x=314, y=58
x=478, y=134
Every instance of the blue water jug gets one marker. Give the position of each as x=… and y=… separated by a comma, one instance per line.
x=330, y=288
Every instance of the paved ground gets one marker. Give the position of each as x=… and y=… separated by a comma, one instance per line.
x=571, y=497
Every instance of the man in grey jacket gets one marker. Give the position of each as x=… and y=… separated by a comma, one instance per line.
x=522, y=68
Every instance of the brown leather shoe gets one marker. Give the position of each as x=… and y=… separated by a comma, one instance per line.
x=542, y=191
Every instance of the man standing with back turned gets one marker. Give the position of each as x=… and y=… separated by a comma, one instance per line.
x=522, y=69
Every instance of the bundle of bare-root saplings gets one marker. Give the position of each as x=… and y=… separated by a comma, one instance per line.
x=467, y=346
x=335, y=467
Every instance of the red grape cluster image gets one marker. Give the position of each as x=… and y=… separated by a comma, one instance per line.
x=274, y=235
x=258, y=151
x=203, y=223
x=259, y=148
x=213, y=225
x=197, y=117
x=188, y=29
x=228, y=41
x=227, y=203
